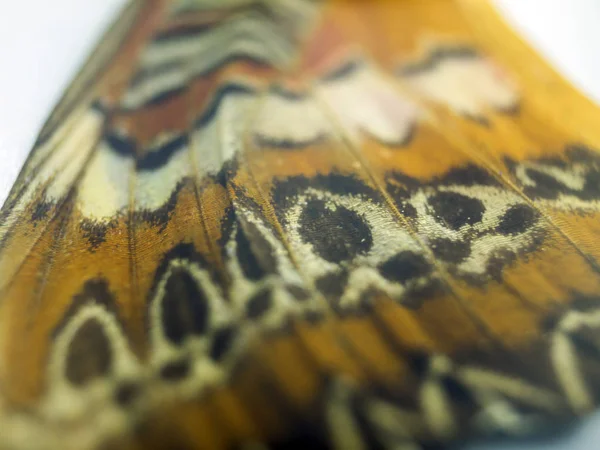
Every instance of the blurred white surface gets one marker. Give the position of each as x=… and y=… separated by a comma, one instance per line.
x=566, y=32
x=42, y=44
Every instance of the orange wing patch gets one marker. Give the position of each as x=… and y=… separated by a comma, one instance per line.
x=295, y=223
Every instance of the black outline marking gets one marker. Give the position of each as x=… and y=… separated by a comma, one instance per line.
x=436, y=57
x=120, y=144
x=346, y=70
x=159, y=157
x=288, y=144
x=230, y=88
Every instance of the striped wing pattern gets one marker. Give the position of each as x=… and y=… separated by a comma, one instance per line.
x=302, y=223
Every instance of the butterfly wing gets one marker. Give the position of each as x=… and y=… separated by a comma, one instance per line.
x=345, y=224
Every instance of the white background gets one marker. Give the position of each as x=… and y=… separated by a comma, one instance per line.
x=42, y=44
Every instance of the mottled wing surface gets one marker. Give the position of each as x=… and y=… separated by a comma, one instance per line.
x=303, y=224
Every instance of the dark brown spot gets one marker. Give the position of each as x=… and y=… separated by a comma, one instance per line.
x=89, y=355
x=405, y=266
x=175, y=370
x=518, y=219
x=456, y=210
x=336, y=235
x=259, y=304
x=222, y=342
x=184, y=308
x=126, y=393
